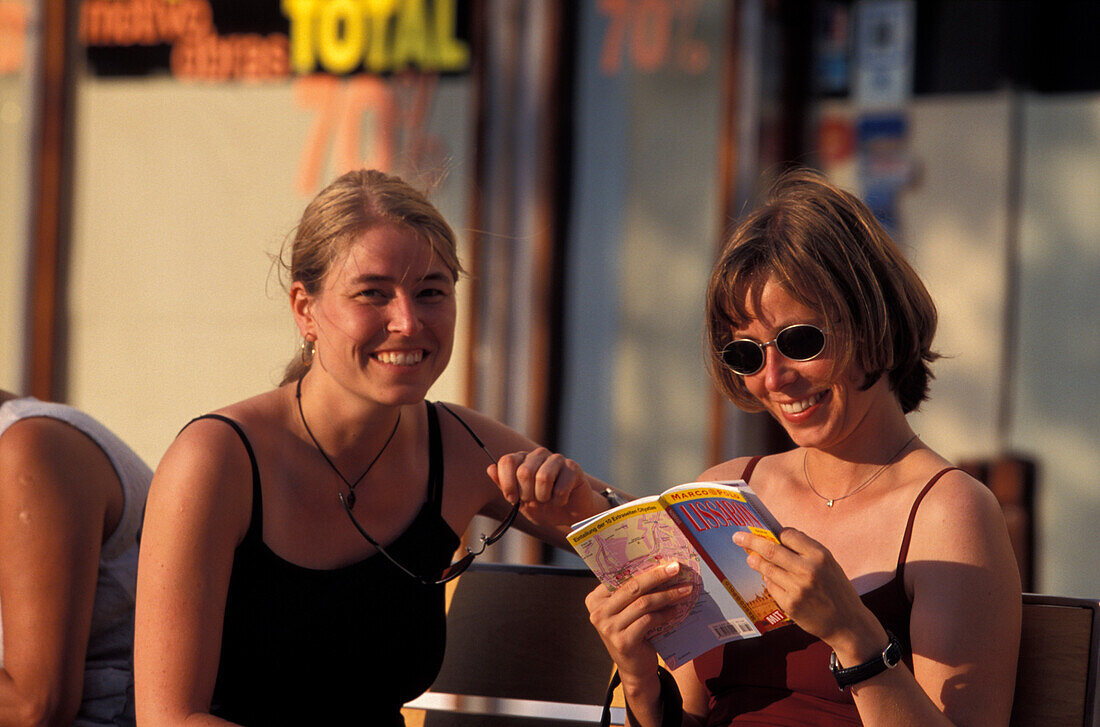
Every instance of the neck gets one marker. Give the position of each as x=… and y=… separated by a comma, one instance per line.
x=345, y=426
x=857, y=476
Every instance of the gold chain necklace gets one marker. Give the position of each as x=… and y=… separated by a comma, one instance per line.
x=874, y=475
x=351, y=485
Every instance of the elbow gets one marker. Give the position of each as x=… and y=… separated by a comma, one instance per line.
x=45, y=710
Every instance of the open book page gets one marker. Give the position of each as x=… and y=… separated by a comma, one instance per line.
x=622, y=541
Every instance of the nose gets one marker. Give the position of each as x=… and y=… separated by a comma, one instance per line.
x=777, y=370
x=404, y=318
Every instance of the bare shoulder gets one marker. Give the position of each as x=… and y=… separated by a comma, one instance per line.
x=486, y=427
x=207, y=471
x=960, y=505
x=47, y=453
x=733, y=469
x=961, y=528
x=461, y=429
x=765, y=469
x=209, y=442
x=498, y=438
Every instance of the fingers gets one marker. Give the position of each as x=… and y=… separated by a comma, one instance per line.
x=538, y=476
x=777, y=563
x=802, y=576
x=645, y=602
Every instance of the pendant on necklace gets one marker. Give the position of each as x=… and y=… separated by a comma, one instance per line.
x=350, y=500
x=828, y=503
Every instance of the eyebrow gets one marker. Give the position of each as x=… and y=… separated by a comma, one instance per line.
x=375, y=278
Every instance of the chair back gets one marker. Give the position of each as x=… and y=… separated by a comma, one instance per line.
x=520, y=651
x=1059, y=658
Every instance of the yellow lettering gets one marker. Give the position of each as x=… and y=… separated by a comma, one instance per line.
x=300, y=14
x=384, y=8
x=377, y=57
x=335, y=36
x=340, y=54
x=410, y=37
x=451, y=53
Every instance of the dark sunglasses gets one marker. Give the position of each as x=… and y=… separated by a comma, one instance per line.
x=454, y=570
x=800, y=342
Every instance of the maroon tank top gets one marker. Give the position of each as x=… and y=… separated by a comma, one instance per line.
x=782, y=678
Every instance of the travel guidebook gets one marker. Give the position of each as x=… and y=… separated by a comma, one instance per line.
x=694, y=524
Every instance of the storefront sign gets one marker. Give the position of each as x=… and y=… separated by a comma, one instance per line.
x=260, y=40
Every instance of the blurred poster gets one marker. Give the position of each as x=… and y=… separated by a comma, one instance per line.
x=884, y=164
x=832, y=48
x=884, y=53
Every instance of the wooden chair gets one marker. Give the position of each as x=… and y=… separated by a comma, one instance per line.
x=520, y=652
x=1059, y=658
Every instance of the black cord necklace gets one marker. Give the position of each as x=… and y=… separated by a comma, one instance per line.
x=350, y=499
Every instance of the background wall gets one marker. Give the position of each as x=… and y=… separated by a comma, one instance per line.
x=176, y=306
x=1056, y=389
x=17, y=38
x=645, y=224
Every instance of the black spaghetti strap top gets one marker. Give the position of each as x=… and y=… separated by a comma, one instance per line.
x=783, y=677
x=347, y=646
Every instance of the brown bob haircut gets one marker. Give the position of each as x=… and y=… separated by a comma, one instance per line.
x=352, y=204
x=827, y=250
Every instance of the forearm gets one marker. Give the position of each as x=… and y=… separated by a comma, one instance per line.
x=896, y=699
x=40, y=706
x=197, y=719
x=643, y=701
x=205, y=720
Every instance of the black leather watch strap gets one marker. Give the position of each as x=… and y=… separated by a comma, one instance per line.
x=888, y=659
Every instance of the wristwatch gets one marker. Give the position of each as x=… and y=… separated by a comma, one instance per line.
x=888, y=659
x=613, y=498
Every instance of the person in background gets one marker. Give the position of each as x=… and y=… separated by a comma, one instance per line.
x=72, y=496
x=296, y=543
x=894, y=566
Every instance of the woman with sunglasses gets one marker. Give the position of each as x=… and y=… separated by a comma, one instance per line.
x=296, y=543
x=895, y=567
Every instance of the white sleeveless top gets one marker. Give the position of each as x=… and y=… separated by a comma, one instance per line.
x=108, y=696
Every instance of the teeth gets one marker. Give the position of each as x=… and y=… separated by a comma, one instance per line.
x=400, y=358
x=797, y=406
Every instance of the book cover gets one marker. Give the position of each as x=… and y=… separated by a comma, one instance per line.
x=694, y=524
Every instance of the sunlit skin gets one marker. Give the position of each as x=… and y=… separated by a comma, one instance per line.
x=817, y=407
x=383, y=323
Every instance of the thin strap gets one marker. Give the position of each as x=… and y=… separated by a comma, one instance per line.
x=435, y=456
x=750, y=467
x=256, y=526
x=912, y=518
